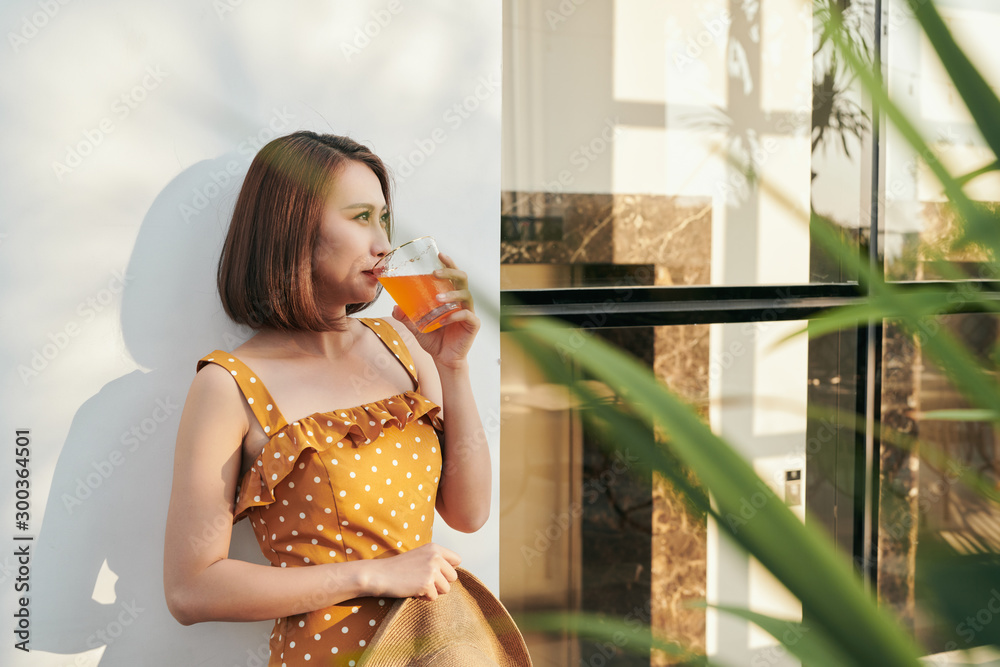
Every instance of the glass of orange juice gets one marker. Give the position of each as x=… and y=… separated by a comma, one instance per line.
x=407, y=273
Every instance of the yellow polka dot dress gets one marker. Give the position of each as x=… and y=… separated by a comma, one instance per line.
x=338, y=486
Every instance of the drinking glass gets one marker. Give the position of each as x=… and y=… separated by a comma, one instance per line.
x=407, y=273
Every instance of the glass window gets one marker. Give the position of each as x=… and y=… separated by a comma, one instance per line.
x=688, y=136
x=918, y=223
x=583, y=529
x=920, y=495
x=676, y=148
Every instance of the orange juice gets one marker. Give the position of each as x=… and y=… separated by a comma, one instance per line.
x=417, y=296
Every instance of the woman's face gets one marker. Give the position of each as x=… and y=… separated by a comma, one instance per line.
x=352, y=237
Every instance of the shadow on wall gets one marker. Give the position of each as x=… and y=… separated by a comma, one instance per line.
x=107, y=507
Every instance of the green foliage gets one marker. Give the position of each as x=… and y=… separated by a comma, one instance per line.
x=625, y=634
x=803, y=559
x=844, y=625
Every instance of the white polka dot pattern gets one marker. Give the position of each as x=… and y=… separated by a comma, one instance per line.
x=332, y=455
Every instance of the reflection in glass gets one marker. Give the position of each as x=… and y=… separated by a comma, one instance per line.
x=922, y=500
x=919, y=227
x=583, y=528
x=692, y=136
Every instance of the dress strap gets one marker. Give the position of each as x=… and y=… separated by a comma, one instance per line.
x=257, y=395
x=392, y=340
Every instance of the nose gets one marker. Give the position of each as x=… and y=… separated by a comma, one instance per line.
x=381, y=245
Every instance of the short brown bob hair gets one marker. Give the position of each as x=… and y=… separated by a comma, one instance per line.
x=265, y=275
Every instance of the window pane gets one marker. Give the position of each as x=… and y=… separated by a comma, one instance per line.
x=918, y=224
x=921, y=496
x=689, y=136
x=583, y=529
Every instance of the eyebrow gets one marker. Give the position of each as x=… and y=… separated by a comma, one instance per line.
x=370, y=207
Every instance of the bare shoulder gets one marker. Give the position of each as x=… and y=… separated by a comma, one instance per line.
x=214, y=389
x=214, y=378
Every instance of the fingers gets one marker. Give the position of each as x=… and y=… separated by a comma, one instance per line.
x=442, y=584
x=426, y=572
x=443, y=579
x=444, y=558
x=453, y=558
x=399, y=315
x=445, y=561
x=458, y=278
x=452, y=272
x=462, y=316
x=461, y=296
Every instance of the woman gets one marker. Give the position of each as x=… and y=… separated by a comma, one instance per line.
x=322, y=428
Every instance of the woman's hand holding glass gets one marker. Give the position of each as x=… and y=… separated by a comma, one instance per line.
x=450, y=343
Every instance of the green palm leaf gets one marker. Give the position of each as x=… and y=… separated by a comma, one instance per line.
x=750, y=512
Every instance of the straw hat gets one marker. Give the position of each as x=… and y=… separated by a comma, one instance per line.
x=467, y=627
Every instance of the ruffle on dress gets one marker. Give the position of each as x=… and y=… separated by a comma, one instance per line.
x=358, y=426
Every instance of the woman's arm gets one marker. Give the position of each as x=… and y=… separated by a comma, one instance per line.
x=464, y=491
x=202, y=583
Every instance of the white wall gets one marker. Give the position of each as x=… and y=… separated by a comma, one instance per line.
x=129, y=127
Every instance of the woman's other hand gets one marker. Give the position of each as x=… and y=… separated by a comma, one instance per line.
x=425, y=572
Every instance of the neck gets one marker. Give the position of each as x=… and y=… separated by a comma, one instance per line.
x=324, y=344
